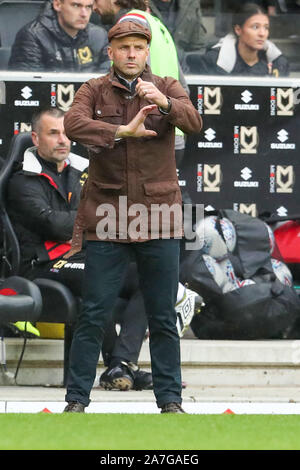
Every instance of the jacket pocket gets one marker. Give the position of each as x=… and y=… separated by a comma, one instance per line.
x=108, y=186
x=161, y=191
x=100, y=192
x=108, y=113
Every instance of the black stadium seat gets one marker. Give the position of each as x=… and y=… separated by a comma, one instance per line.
x=14, y=15
x=20, y=300
x=4, y=57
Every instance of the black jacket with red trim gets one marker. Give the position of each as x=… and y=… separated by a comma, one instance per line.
x=42, y=205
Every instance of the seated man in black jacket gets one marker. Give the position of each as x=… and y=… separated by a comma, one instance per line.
x=43, y=196
x=61, y=39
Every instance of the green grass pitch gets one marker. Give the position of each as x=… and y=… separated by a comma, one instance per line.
x=89, y=431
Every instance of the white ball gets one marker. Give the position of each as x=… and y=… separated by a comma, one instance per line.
x=214, y=269
x=245, y=282
x=229, y=233
x=229, y=273
x=228, y=287
x=271, y=238
x=211, y=241
x=282, y=272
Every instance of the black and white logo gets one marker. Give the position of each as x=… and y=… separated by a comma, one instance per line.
x=282, y=211
x=282, y=137
x=246, y=97
x=26, y=93
x=247, y=182
x=210, y=136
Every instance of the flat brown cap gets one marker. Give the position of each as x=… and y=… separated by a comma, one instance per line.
x=129, y=28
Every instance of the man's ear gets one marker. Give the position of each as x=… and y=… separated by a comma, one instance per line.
x=110, y=53
x=35, y=138
x=56, y=5
x=237, y=30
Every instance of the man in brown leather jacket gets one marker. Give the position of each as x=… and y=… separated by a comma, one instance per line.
x=130, y=207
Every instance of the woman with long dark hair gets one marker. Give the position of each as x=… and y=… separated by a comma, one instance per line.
x=246, y=50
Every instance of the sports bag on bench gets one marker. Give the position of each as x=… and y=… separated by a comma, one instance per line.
x=248, y=294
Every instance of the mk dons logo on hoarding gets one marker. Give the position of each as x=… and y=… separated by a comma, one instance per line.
x=209, y=101
x=245, y=139
x=209, y=178
x=62, y=96
x=282, y=101
x=249, y=209
x=21, y=127
x=282, y=178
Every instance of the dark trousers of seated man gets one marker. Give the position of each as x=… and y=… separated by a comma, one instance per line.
x=105, y=268
x=128, y=309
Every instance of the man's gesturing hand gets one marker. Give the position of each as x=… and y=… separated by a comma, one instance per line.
x=136, y=128
x=152, y=94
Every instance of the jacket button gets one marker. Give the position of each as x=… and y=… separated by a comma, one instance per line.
x=98, y=112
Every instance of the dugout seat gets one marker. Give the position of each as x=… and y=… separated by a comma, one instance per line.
x=20, y=300
x=13, y=16
x=59, y=304
x=4, y=57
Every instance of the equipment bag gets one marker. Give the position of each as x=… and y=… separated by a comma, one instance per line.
x=287, y=237
x=248, y=294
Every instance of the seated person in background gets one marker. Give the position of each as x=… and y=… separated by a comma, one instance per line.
x=247, y=51
x=183, y=18
x=61, y=39
x=43, y=196
x=227, y=7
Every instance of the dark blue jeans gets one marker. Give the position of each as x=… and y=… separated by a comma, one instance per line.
x=105, y=267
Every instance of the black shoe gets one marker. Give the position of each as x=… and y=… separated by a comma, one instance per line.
x=74, y=407
x=172, y=408
x=142, y=380
x=120, y=377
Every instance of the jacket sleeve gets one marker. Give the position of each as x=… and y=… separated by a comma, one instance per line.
x=281, y=67
x=183, y=114
x=31, y=208
x=79, y=122
x=26, y=53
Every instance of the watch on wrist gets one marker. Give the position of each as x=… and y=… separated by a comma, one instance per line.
x=166, y=111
